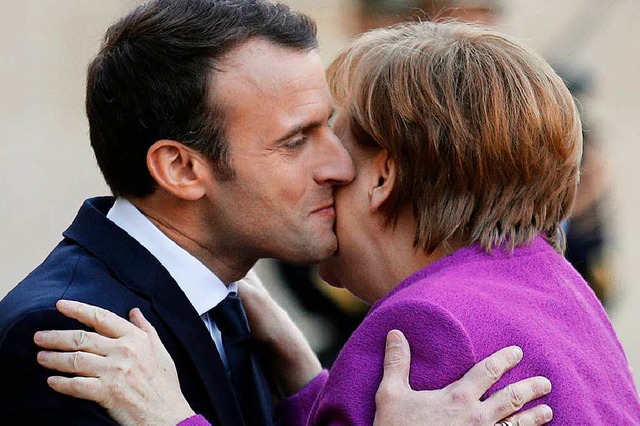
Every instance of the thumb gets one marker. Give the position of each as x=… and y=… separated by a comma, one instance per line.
x=397, y=361
x=136, y=317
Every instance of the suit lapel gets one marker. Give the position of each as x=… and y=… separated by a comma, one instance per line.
x=138, y=270
x=169, y=303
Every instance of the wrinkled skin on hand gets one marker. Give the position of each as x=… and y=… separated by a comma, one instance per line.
x=124, y=367
x=459, y=403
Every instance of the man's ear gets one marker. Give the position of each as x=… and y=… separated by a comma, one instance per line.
x=386, y=170
x=178, y=169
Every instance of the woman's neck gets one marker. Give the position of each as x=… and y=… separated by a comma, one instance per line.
x=387, y=256
x=398, y=260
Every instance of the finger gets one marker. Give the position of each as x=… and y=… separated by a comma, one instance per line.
x=487, y=372
x=513, y=397
x=80, y=387
x=81, y=363
x=103, y=321
x=535, y=416
x=73, y=340
x=397, y=361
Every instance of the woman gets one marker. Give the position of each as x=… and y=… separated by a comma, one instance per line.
x=466, y=147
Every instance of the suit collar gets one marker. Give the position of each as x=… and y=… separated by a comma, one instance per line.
x=127, y=259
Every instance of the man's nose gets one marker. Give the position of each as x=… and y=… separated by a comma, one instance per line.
x=336, y=166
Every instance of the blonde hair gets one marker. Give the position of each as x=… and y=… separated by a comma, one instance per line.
x=486, y=136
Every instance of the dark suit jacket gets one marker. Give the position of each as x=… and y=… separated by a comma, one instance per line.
x=99, y=263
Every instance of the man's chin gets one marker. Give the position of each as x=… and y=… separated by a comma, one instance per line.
x=306, y=255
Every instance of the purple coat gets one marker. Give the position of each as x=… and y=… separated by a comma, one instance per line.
x=464, y=307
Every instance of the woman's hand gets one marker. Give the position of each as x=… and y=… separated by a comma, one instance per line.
x=459, y=403
x=124, y=367
x=289, y=358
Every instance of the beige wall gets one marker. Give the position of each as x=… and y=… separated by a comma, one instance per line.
x=48, y=168
x=47, y=164
x=604, y=36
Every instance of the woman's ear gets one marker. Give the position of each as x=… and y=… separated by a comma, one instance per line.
x=178, y=169
x=385, y=167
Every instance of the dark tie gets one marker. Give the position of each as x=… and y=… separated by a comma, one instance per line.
x=248, y=382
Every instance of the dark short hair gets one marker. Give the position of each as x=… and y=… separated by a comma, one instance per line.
x=152, y=80
x=486, y=136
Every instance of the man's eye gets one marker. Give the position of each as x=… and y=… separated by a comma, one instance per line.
x=295, y=143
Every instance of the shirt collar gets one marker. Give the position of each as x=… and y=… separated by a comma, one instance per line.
x=201, y=286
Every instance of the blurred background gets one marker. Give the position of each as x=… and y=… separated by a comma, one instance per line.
x=49, y=169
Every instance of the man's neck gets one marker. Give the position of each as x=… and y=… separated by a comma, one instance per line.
x=181, y=227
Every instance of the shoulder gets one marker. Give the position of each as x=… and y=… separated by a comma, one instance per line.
x=69, y=271
x=43, y=286
x=440, y=347
x=433, y=332
x=66, y=267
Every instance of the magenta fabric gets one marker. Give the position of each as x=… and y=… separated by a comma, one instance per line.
x=196, y=420
x=468, y=305
x=296, y=410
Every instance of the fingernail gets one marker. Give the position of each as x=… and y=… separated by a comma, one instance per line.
x=547, y=413
x=53, y=381
x=517, y=351
x=393, y=339
x=42, y=356
x=39, y=336
x=63, y=303
x=546, y=387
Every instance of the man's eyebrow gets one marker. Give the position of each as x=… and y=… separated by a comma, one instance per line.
x=305, y=126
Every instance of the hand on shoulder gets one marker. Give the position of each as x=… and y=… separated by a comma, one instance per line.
x=459, y=403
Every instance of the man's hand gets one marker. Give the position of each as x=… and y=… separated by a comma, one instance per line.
x=459, y=403
x=125, y=368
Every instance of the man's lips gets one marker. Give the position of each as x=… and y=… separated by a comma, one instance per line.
x=326, y=210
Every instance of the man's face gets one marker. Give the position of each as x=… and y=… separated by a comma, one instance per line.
x=287, y=160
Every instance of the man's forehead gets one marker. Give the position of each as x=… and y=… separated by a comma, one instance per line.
x=257, y=56
x=265, y=72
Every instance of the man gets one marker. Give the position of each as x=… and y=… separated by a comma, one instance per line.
x=210, y=123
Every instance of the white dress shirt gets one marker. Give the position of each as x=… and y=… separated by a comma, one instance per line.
x=201, y=286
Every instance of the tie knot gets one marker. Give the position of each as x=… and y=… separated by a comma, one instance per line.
x=230, y=317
